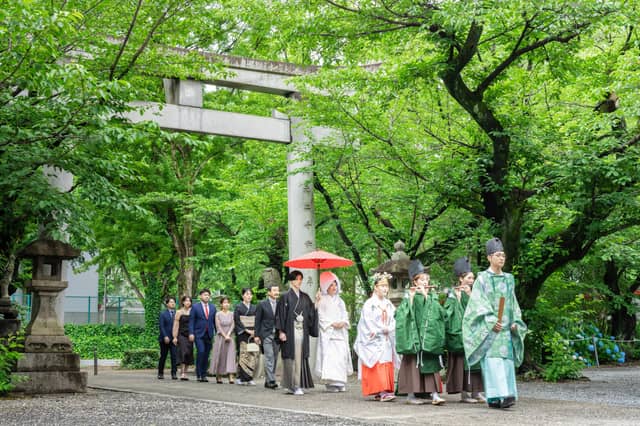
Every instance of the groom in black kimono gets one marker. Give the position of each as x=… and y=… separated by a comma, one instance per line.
x=296, y=320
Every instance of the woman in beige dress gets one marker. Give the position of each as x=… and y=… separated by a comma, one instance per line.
x=223, y=355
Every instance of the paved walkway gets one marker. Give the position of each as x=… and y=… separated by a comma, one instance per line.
x=612, y=396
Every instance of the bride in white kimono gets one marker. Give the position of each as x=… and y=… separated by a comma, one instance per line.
x=333, y=360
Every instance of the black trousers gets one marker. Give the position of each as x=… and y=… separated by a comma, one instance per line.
x=167, y=348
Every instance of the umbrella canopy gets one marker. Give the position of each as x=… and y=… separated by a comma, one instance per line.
x=318, y=259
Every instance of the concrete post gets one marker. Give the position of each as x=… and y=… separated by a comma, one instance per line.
x=183, y=92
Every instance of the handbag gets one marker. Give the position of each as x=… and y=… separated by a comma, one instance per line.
x=253, y=347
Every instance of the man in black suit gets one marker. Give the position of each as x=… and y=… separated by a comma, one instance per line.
x=265, y=334
x=166, y=336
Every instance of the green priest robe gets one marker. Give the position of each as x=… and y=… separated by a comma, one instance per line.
x=455, y=312
x=420, y=331
x=481, y=315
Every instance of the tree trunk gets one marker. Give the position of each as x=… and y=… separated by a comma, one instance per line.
x=127, y=277
x=623, y=322
x=274, y=252
x=184, y=247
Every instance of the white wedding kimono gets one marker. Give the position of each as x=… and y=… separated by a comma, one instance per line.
x=372, y=345
x=333, y=360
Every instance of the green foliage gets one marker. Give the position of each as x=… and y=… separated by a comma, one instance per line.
x=153, y=303
x=467, y=121
x=140, y=359
x=10, y=353
x=109, y=340
x=560, y=302
x=562, y=364
x=632, y=349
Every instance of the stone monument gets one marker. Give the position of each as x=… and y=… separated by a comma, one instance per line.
x=270, y=276
x=49, y=364
x=398, y=267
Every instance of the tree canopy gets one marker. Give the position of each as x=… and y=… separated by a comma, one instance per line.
x=460, y=120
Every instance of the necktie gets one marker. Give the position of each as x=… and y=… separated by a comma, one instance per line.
x=273, y=307
x=206, y=311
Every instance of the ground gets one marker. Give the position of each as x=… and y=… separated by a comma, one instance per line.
x=611, y=396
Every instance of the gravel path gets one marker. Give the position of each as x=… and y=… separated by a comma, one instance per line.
x=98, y=407
x=608, y=385
x=610, y=397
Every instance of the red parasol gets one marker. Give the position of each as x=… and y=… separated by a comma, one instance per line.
x=318, y=259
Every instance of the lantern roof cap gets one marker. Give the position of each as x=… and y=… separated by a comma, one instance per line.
x=49, y=248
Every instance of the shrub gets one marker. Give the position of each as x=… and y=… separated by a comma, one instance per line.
x=9, y=354
x=140, y=359
x=110, y=340
x=589, y=340
x=563, y=364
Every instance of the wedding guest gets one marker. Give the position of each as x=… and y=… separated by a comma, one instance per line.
x=165, y=338
x=223, y=355
x=244, y=317
x=181, y=337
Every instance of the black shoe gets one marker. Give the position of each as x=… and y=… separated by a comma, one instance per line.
x=174, y=377
x=203, y=379
x=508, y=402
x=270, y=385
x=160, y=376
x=495, y=404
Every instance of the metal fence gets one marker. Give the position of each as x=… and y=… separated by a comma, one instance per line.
x=91, y=310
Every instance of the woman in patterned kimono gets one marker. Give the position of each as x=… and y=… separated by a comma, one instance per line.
x=375, y=343
x=496, y=342
x=248, y=352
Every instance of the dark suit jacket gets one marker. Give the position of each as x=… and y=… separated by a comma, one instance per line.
x=166, y=325
x=265, y=320
x=199, y=325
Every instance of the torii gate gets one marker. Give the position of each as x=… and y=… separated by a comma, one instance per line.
x=184, y=112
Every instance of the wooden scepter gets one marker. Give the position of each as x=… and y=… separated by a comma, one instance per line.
x=500, y=309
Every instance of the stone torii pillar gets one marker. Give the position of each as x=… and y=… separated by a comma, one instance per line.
x=300, y=206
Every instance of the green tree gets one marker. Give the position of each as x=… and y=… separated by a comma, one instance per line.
x=50, y=106
x=498, y=106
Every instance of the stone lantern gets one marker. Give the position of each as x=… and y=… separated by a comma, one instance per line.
x=398, y=267
x=49, y=363
x=9, y=322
